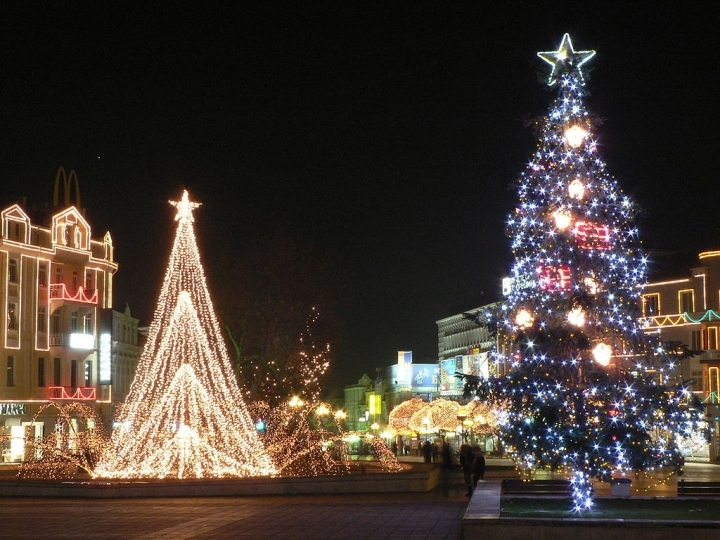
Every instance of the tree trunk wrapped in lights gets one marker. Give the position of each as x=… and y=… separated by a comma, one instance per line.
x=578, y=396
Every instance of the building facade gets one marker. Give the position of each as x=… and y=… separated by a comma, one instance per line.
x=463, y=346
x=686, y=309
x=56, y=287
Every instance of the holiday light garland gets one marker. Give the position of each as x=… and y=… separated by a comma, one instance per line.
x=184, y=416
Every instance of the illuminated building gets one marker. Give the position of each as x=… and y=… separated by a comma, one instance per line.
x=686, y=309
x=463, y=347
x=56, y=289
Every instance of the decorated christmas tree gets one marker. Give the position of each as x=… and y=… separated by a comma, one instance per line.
x=577, y=396
x=184, y=416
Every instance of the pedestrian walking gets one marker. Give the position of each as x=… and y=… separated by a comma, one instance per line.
x=478, y=467
x=427, y=451
x=467, y=458
x=445, y=469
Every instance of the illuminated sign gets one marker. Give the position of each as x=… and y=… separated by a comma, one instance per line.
x=375, y=404
x=404, y=369
x=13, y=409
x=82, y=341
x=105, y=359
x=506, y=286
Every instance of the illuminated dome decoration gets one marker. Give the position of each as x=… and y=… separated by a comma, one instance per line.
x=184, y=416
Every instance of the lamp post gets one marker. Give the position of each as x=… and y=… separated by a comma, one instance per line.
x=462, y=417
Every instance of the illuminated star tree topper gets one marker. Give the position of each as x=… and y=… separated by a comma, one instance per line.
x=565, y=60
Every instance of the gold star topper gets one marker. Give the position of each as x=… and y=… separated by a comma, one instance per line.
x=565, y=59
x=184, y=207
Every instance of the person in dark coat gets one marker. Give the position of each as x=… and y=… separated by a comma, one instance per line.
x=478, y=468
x=427, y=451
x=467, y=458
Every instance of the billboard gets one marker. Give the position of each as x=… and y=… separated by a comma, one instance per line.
x=475, y=363
x=404, y=368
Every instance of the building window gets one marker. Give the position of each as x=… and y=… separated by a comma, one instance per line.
x=695, y=343
x=58, y=275
x=41, y=372
x=12, y=271
x=651, y=305
x=88, y=373
x=88, y=323
x=686, y=300
x=12, y=319
x=73, y=322
x=74, y=281
x=42, y=275
x=57, y=372
x=88, y=282
x=10, y=371
x=56, y=322
x=711, y=338
x=42, y=319
x=73, y=373
x=713, y=380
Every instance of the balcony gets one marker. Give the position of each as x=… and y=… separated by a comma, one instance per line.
x=59, y=291
x=79, y=393
x=76, y=340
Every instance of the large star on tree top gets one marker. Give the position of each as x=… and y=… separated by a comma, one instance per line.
x=184, y=207
x=565, y=59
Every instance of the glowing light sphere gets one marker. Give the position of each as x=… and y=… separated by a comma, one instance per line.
x=524, y=319
x=576, y=317
x=575, y=135
x=591, y=284
x=576, y=189
x=602, y=353
x=563, y=219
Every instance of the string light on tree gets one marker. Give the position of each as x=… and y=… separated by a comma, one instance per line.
x=184, y=416
x=578, y=265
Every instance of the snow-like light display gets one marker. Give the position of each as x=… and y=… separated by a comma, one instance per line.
x=184, y=416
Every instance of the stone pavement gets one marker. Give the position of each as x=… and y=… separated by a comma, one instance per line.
x=396, y=516
x=414, y=516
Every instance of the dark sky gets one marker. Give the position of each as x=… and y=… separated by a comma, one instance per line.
x=388, y=132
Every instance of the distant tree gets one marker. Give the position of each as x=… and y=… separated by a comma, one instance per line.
x=278, y=314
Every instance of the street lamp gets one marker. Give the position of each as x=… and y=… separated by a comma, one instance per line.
x=462, y=416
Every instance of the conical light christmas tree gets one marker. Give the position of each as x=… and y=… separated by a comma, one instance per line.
x=577, y=397
x=184, y=416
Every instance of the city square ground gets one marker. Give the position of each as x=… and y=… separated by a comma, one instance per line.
x=433, y=515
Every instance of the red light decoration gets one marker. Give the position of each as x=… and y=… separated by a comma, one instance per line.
x=555, y=278
x=65, y=392
x=58, y=291
x=591, y=235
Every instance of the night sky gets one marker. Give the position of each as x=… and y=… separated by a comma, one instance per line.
x=387, y=132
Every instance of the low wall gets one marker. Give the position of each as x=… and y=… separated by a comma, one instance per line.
x=482, y=521
x=418, y=481
x=539, y=529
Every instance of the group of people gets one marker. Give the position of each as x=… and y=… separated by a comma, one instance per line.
x=473, y=466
